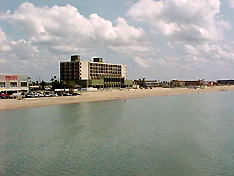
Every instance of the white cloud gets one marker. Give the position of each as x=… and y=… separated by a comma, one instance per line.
x=64, y=26
x=182, y=20
x=143, y=62
x=61, y=30
x=4, y=46
x=3, y=61
x=214, y=51
x=180, y=36
x=192, y=30
x=170, y=45
x=191, y=49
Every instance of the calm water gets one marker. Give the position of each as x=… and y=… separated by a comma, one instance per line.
x=186, y=135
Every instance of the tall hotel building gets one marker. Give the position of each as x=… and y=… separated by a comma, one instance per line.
x=94, y=74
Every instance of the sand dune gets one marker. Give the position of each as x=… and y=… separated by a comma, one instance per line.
x=106, y=95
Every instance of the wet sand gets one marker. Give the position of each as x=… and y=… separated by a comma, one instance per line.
x=10, y=104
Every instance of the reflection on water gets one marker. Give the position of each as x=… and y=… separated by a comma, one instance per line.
x=174, y=135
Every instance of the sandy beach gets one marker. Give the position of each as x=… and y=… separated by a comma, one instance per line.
x=10, y=104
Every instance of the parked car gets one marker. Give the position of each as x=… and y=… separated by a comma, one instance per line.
x=75, y=93
x=38, y=94
x=55, y=95
x=67, y=94
x=15, y=95
x=48, y=94
x=4, y=96
x=31, y=95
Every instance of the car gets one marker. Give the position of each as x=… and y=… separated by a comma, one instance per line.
x=67, y=94
x=4, y=96
x=39, y=94
x=55, y=95
x=15, y=95
x=75, y=93
x=31, y=95
x=48, y=95
x=28, y=96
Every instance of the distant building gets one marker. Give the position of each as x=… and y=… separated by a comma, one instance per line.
x=142, y=83
x=177, y=83
x=194, y=83
x=14, y=83
x=181, y=83
x=225, y=82
x=94, y=74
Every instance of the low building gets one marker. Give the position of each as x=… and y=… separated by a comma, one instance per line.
x=177, y=83
x=181, y=83
x=225, y=82
x=142, y=83
x=14, y=83
x=94, y=74
x=194, y=83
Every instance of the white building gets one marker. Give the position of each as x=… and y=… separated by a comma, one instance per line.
x=14, y=83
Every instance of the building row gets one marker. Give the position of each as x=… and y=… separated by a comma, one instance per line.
x=173, y=83
x=97, y=74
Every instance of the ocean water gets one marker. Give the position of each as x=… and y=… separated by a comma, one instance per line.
x=184, y=135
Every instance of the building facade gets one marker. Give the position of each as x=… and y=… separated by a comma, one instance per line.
x=142, y=83
x=14, y=83
x=93, y=74
x=225, y=82
x=181, y=83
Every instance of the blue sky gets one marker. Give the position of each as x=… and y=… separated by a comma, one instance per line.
x=156, y=39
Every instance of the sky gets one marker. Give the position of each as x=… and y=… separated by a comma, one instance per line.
x=156, y=39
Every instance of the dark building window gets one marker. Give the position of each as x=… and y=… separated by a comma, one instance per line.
x=2, y=84
x=23, y=84
x=13, y=84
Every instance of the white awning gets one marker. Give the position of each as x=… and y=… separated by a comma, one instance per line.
x=14, y=89
x=59, y=90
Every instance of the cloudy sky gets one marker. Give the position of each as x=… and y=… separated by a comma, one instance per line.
x=156, y=39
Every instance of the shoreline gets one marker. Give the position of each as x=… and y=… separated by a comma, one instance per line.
x=106, y=95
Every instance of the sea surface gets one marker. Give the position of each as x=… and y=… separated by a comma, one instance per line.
x=184, y=135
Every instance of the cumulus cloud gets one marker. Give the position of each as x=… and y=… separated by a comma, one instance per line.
x=179, y=36
x=183, y=20
x=143, y=62
x=20, y=49
x=64, y=26
x=62, y=30
x=192, y=30
x=4, y=46
x=212, y=50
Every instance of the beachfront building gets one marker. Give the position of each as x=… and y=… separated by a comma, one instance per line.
x=94, y=73
x=181, y=83
x=225, y=82
x=14, y=83
x=142, y=83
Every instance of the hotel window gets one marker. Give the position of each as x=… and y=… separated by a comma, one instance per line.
x=2, y=84
x=13, y=84
x=23, y=84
